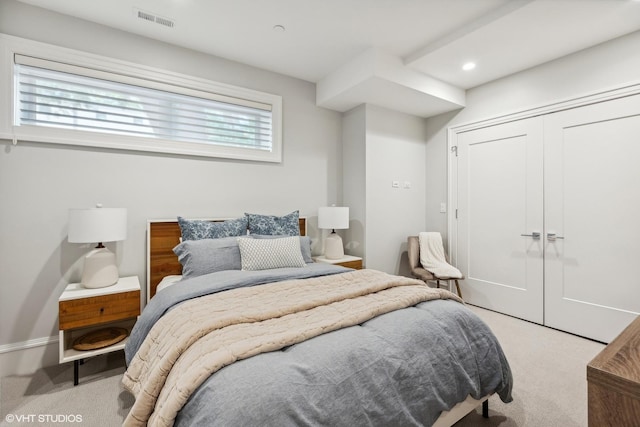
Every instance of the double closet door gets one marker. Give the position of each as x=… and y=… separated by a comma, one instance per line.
x=548, y=220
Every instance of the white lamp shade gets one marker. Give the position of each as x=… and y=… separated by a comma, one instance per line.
x=333, y=217
x=97, y=225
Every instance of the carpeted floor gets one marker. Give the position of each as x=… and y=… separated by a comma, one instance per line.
x=550, y=375
x=549, y=369
x=48, y=397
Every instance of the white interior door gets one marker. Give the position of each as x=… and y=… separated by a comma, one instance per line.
x=500, y=207
x=592, y=203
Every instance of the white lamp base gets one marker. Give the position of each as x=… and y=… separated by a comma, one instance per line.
x=333, y=248
x=100, y=269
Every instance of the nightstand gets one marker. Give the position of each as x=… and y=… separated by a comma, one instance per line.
x=82, y=310
x=346, y=261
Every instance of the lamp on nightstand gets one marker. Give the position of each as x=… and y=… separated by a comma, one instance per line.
x=98, y=225
x=333, y=218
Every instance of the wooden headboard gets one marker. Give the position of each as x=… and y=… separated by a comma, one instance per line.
x=162, y=237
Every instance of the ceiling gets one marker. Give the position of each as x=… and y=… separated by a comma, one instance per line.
x=402, y=54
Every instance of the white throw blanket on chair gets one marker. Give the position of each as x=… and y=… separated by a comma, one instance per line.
x=432, y=256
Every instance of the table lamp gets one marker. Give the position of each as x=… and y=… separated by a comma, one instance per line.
x=333, y=217
x=98, y=225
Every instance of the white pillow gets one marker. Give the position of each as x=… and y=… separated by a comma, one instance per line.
x=168, y=281
x=265, y=254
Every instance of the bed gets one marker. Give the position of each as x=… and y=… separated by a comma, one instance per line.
x=312, y=345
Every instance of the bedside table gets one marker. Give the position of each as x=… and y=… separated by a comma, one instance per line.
x=347, y=261
x=82, y=310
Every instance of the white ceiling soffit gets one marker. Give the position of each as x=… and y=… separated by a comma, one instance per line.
x=509, y=38
x=531, y=34
x=404, y=55
x=378, y=78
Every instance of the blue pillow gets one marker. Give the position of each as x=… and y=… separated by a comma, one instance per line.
x=193, y=229
x=271, y=225
x=206, y=256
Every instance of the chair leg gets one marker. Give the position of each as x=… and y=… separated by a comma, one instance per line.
x=458, y=288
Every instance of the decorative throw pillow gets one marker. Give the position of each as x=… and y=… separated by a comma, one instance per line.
x=194, y=229
x=287, y=225
x=206, y=256
x=305, y=244
x=265, y=254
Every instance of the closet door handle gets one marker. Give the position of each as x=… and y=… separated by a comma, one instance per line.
x=535, y=235
x=552, y=237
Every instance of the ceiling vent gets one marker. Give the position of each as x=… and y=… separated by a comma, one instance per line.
x=152, y=17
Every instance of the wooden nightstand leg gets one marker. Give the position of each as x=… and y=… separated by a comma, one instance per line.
x=485, y=408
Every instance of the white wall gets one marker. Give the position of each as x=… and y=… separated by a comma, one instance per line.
x=40, y=182
x=382, y=146
x=607, y=66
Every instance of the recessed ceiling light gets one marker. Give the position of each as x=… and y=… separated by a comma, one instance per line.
x=279, y=28
x=469, y=66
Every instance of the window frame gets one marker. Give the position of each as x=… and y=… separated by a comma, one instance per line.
x=124, y=71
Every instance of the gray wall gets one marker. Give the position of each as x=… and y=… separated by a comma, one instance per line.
x=382, y=146
x=607, y=66
x=354, y=138
x=40, y=182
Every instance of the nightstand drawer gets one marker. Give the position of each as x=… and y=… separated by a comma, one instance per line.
x=80, y=312
x=348, y=261
x=357, y=265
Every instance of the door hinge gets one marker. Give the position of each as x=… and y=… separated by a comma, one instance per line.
x=456, y=213
x=454, y=149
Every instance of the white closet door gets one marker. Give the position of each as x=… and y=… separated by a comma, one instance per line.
x=592, y=204
x=500, y=204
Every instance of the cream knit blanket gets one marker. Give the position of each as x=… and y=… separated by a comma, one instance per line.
x=432, y=256
x=203, y=335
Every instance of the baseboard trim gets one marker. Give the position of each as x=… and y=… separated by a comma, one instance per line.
x=24, y=345
x=24, y=358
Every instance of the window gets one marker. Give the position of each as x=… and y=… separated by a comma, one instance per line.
x=63, y=100
x=56, y=101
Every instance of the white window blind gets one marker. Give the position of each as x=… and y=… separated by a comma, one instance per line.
x=59, y=95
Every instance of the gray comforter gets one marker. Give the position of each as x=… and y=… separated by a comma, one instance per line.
x=401, y=368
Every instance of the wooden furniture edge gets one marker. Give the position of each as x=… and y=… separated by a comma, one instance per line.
x=617, y=366
x=162, y=236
